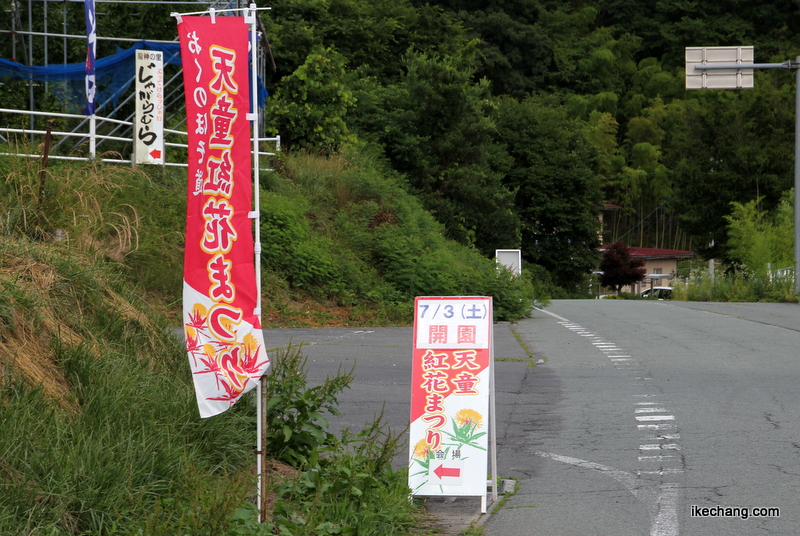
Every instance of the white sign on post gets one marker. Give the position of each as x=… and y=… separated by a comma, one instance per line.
x=719, y=78
x=148, y=129
x=510, y=258
x=450, y=395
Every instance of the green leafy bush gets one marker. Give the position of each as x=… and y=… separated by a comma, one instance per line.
x=737, y=287
x=296, y=425
x=344, y=227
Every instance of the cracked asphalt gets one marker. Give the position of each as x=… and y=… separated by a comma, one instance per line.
x=640, y=417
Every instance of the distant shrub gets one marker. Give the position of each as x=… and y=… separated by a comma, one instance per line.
x=736, y=287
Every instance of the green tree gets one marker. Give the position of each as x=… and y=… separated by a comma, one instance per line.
x=756, y=238
x=372, y=34
x=310, y=107
x=738, y=146
x=435, y=128
x=515, y=53
x=557, y=196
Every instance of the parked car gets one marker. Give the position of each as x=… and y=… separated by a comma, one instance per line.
x=657, y=293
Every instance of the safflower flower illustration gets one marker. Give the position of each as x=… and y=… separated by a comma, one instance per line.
x=465, y=429
x=422, y=454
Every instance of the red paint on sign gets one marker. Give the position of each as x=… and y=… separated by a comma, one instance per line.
x=443, y=472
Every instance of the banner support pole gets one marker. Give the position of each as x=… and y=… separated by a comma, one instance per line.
x=261, y=391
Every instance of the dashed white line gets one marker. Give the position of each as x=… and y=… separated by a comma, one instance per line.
x=656, y=426
x=664, y=506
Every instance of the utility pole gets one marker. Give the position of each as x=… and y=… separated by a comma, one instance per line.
x=732, y=68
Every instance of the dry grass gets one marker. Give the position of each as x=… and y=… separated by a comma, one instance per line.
x=25, y=342
x=24, y=352
x=28, y=341
x=79, y=204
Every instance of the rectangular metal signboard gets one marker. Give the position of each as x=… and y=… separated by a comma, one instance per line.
x=510, y=258
x=719, y=78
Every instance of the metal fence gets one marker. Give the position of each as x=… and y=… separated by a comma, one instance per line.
x=107, y=136
x=86, y=133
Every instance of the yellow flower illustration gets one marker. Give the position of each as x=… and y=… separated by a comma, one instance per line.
x=469, y=416
x=421, y=450
x=250, y=344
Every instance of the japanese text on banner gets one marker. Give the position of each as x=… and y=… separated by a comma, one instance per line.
x=223, y=331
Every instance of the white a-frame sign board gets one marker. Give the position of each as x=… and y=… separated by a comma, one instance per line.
x=452, y=409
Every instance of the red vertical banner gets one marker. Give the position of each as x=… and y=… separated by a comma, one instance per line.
x=450, y=388
x=221, y=321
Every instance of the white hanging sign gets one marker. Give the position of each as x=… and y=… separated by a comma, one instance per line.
x=148, y=128
x=733, y=78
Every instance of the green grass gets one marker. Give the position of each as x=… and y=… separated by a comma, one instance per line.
x=736, y=287
x=100, y=433
x=99, y=429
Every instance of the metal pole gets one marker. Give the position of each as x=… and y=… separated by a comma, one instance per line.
x=263, y=402
x=797, y=181
x=263, y=399
x=32, y=105
x=92, y=136
x=46, y=44
x=493, y=420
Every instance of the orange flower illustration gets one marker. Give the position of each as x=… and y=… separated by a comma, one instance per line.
x=198, y=316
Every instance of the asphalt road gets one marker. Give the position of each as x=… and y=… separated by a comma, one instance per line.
x=640, y=417
x=646, y=413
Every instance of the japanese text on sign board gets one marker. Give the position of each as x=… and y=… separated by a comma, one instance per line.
x=452, y=324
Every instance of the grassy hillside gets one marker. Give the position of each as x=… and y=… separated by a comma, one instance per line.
x=343, y=241
x=99, y=423
x=99, y=431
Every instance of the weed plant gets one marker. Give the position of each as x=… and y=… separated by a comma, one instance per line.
x=736, y=287
x=100, y=434
x=297, y=426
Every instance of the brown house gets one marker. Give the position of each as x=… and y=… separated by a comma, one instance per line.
x=658, y=262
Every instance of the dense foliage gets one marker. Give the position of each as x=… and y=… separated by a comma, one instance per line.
x=441, y=89
x=517, y=121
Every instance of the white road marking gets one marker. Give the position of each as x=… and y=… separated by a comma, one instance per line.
x=663, y=504
x=656, y=426
x=664, y=508
x=666, y=518
x=660, y=446
x=641, y=418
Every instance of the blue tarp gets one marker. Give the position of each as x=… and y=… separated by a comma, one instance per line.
x=114, y=74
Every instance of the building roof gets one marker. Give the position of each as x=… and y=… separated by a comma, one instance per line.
x=657, y=253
